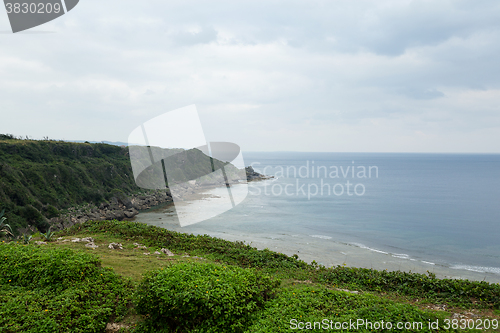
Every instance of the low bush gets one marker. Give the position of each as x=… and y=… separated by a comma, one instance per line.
x=56, y=290
x=202, y=298
x=457, y=292
x=51, y=211
x=318, y=309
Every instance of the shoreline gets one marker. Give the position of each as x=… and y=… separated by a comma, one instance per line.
x=126, y=207
x=337, y=253
x=309, y=247
x=158, y=209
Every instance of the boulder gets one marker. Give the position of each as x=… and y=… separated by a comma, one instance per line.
x=130, y=213
x=119, y=214
x=167, y=252
x=115, y=246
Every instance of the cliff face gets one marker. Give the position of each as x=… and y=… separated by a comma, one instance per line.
x=39, y=178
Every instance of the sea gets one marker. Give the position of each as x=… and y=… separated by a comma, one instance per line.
x=416, y=212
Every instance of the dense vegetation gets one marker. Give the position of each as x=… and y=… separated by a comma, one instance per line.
x=314, y=304
x=40, y=178
x=207, y=297
x=234, y=287
x=53, y=290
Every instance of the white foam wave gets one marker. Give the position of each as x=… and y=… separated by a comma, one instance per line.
x=480, y=269
x=428, y=262
x=401, y=255
x=368, y=248
x=321, y=236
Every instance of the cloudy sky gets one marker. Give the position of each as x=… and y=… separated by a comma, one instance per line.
x=270, y=75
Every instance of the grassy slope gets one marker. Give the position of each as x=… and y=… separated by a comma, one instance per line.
x=304, y=294
x=38, y=178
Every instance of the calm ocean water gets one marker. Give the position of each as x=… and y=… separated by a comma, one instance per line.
x=442, y=209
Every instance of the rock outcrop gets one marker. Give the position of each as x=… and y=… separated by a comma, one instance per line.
x=128, y=207
x=252, y=175
x=115, y=209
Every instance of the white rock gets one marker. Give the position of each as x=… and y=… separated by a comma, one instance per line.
x=116, y=246
x=92, y=245
x=114, y=327
x=167, y=252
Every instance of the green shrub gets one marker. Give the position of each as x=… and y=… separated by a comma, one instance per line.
x=457, y=292
x=318, y=309
x=31, y=266
x=27, y=238
x=48, y=235
x=202, y=297
x=54, y=290
x=51, y=212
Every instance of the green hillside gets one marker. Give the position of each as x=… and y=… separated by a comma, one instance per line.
x=39, y=178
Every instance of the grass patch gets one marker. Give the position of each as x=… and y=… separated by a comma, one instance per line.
x=130, y=262
x=58, y=290
x=317, y=308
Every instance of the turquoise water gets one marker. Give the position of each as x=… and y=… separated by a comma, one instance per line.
x=439, y=209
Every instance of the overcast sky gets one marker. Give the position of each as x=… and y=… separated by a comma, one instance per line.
x=364, y=76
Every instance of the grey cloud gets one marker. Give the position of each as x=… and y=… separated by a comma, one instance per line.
x=204, y=36
x=424, y=93
x=276, y=64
